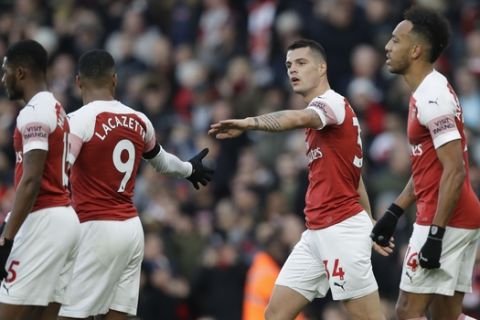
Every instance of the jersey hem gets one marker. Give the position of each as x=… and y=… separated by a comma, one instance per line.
x=131, y=311
x=343, y=218
x=105, y=218
x=458, y=226
x=29, y=301
x=427, y=290
x=356, y=294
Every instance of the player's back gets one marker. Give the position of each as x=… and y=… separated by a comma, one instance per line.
x=112, y=138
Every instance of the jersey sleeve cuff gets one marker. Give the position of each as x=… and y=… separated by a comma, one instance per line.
x=322, y=116
x=445, y=138
x=35, y=145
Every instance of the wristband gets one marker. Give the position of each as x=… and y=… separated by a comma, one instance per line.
x=436, y=232
x=395, y=210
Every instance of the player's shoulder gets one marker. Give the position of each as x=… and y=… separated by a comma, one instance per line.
x=434, y=86
x=331, y=98
x=43, y=98
x=94, y=108
x=433, y=95
x=40, y=108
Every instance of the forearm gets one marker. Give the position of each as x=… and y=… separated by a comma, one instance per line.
x=279, y=121
x=407, y=196
x=170, y=164
x=364, y=201
x=449, y=191
x=25, y=197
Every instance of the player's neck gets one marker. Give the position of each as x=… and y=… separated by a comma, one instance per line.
x=416, y=74
x=33, y=88
x=317, y=91
x=96, y=94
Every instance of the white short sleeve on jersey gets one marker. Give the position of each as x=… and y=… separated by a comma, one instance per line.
x=330, y=107
x=82, y=123
x=437, y=109
x=150, y=139
x=36, y=121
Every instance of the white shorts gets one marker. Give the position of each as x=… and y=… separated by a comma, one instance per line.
x=107, y=272
x=455, y=273
x=40, y=265
x=337, y=257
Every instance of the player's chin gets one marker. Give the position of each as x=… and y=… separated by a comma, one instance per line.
x=392, y=69
x=297, y=89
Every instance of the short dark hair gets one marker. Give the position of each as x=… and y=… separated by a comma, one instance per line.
x=432, y=26
x=312, y=44
x=96, y=64
x=28, y=54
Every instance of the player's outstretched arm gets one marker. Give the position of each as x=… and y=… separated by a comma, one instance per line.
x=170, y=164
x=271, y=122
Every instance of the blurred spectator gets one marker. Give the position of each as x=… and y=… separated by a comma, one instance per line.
x=265, y=268
x=468, y=91
x=217, y=291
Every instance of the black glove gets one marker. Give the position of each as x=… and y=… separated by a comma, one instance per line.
x=385, y=226
x=4, y=253
x=429, y=255
x=200, y=174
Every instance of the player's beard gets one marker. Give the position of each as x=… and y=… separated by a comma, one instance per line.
x=13, y=92
x=398, y=68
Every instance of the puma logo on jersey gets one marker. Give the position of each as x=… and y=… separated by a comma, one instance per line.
x=314, y=154
x=433, y=101
x=7, y=289
x=416, y=150
x=340, y=285
x=409, y=276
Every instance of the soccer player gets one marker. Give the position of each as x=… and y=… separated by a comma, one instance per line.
x=108, y=140
x=438, y=264
x=41, y=237
x=334, y=252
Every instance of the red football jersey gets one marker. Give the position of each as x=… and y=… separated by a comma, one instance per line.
x=335, y=160
x=42, y=124
x=435, y=118
x=107, y=143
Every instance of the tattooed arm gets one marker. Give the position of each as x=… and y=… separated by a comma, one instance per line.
x=271, y=122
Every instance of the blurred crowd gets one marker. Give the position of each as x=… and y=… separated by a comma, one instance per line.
x=189, y=63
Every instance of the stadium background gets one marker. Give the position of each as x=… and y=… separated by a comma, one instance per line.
x=188, y=63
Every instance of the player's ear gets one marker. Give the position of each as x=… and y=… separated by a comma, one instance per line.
x=78, y=81
x=323, y=67
x=417, y=50
x=20, y=73
x=114, y=80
